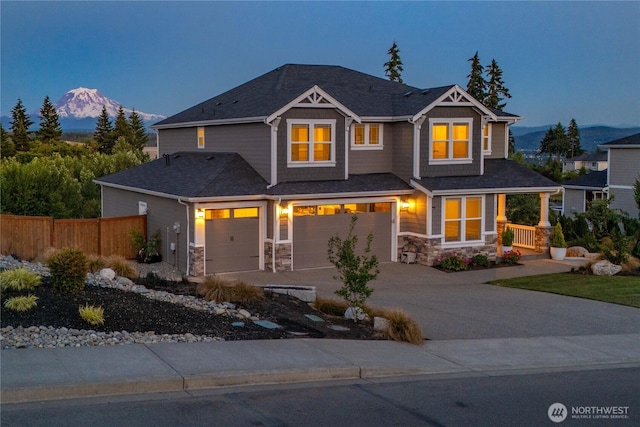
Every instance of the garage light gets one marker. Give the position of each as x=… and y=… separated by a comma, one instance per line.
x=199, y=213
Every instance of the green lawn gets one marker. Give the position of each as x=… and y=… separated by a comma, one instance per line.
x=623, y=290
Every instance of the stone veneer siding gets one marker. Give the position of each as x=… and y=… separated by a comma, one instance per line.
x=196, y=260
x=283, y=256
x=429, y=249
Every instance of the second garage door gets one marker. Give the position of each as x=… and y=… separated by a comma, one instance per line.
x=314, y=225
x=232, y=240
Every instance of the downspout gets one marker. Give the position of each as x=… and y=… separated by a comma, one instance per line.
x=188, y=234
x=274, y=151
x=276, y=229
x=417, y=126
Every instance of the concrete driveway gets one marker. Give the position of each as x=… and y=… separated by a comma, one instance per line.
x=461, y=306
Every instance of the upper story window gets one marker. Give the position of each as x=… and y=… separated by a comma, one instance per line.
x=366, y=136
x=450, y=140
x=311, y=143
x=200, y=137
x=486, y=138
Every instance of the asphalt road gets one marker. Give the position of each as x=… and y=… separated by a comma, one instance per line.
x=470, y=400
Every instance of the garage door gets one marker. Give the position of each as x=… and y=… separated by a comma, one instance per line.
x=314, y=225
x=232, y=240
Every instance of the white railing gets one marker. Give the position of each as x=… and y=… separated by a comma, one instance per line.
x=524, y=236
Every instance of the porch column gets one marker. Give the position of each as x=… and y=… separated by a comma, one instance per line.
x=502, y=208
x=544, y=210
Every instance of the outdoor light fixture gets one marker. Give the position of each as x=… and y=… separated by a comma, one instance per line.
x=284, y=211
x=199, y=213
x=404, y=205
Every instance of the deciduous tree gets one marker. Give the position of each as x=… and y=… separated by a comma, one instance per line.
x=7, y=147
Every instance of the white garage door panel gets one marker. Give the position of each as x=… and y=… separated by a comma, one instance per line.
x=311, y=236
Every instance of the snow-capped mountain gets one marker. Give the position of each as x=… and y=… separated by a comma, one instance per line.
x=84, y=103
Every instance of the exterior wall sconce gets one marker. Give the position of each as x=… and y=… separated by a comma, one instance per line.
x=404, y=205
x=408, y=205
x=199, y=213
x=284, y=211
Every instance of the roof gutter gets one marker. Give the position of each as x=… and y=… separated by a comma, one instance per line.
x=241, y=120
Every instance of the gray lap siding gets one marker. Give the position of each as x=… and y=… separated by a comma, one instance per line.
x=161, y=213
x=376, y=160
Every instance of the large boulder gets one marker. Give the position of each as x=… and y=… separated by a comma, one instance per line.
x=605, y=268
x=107, y=273
x=577, y=252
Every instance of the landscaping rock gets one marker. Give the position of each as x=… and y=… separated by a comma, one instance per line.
x=355, y=313
x=577, y=252
x=107, y=273
x=380, y=324
x=605, y=268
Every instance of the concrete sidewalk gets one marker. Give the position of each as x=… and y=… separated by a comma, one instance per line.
x=50, y=374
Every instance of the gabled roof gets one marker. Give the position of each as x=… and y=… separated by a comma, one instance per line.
x=191, y=175
x=499, y=175
x=631, y=141
x=363, y=94
x=591, y=180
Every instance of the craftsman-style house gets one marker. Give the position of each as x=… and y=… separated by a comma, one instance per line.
x=262, y=175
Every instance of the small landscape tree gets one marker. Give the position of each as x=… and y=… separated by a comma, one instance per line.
x=355, y=271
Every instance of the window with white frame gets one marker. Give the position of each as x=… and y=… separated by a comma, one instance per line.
x=450, y=140
x=311, y=142
x=200, y=137
x=463, y=219
x=486, y=138
x=366, y=136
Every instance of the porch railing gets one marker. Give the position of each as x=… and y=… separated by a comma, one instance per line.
x=524, y=236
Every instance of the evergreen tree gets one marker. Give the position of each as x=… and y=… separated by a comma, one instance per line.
x=121, y=126
x=7, y=147
x=496, y=91
x=477, y=84
x=104, y=135
x=138, y=131
x=555, y=142
x=512, y=144
x=20, y=124
x=50, y=129
x=573, y=135
x=393, y=67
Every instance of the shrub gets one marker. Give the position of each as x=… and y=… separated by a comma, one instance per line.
x=557, y=237
x=242, y=292
x=480, y=260
x=96, y=263
x=354, y=271
x=213, y=289
x=511, y=257
x=91, y=314
x=452, y=262
x=148, y=250
x=507, y=237
x=330, y=306
x=68, y=269
x=403, y=328
x=616, y=250
x=589, y=242
x=21, y=303
x=18, y=279
x=122, y=267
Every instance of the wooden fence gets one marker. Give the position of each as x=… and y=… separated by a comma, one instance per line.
x=30, y=236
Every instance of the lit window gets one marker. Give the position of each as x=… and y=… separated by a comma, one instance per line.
x=486, y=138
x=245, y=213
x=463, y=219
x=200, y=137
x=304, y=210
x=329, y=210
x=311, y=142
x=366, y=136
x=217, y=213
x=450, y=140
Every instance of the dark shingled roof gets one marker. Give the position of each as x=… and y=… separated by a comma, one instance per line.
x=361, y=93
x=375, y=182
x=596, y=179
x=627, y=140
x=498, y=173
x=193, y=174
x=589, y=157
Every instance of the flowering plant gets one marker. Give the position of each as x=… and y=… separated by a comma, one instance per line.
x=512, y=257
x=452, y=261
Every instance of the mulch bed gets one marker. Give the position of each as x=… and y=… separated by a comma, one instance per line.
x=131, y=312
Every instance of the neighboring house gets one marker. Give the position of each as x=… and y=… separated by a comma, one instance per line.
x=589, y=161
x=580, y=191
x=261, y=176
x=624, y=170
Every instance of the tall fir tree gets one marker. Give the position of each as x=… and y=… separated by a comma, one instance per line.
x=20, y=124
x=496, y=90
x=138, y=131
x=476, y=85
x=393, y=67
x=555, y=142
x=573, y=135
x=121, y=126
x=103, y=134
x=50, y=129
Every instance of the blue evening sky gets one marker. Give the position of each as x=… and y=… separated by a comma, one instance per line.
x=561, y=60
